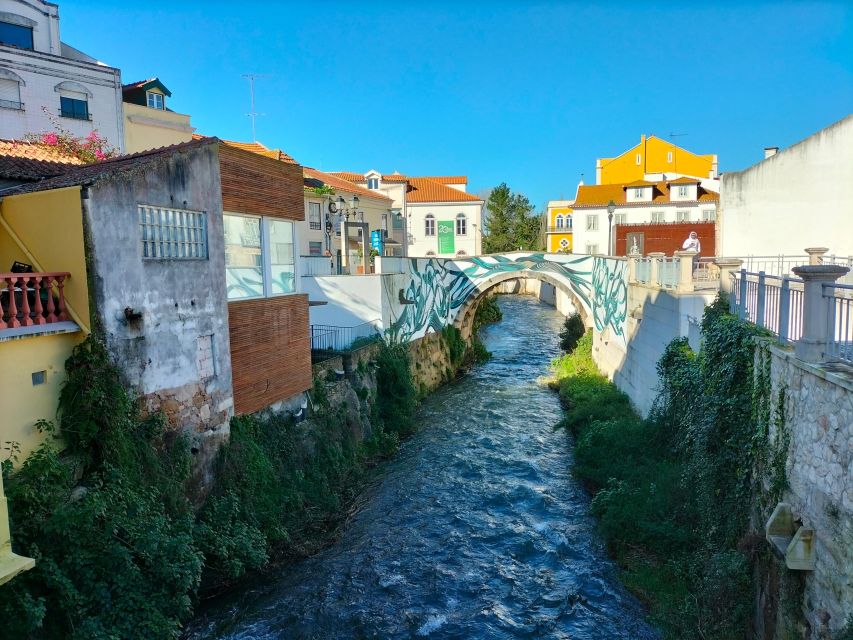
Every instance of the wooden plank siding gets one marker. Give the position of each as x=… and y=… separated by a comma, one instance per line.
x=270, y=350
x=258, y=185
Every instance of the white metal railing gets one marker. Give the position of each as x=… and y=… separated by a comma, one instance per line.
x=839, y=300
x=706, y=270
x=772, y=302
x=315, y=265
x=668, y=272
x=644, y=270
x=782, y=265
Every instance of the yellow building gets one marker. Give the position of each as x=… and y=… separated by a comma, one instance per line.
x=148, y=122
x=558, y=230
x=655, y=157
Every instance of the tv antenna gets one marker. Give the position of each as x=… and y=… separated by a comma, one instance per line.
x=677, y=135
x=254, y=114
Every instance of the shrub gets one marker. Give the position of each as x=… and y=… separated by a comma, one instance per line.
x=395, y=388
x=573, y=331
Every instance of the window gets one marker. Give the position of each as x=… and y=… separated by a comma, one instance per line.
x=639, y=159
x=638, y=193
x=315, y=248
x=16, y=35
x=396, y=221
x=591, y=249
x=259, y=257
x=682, y=216
x=709, y=215
x=592, y=222
x=658, y=216
x=429, y=225
x=620, y=218
x=74, y=108
x=682, y=191
x=461, y=225
x=314, y=217
x=669, y=157
x=156, y=100
x=172, y=234
x=559, y=221
x=10, y=90
x=373, y=183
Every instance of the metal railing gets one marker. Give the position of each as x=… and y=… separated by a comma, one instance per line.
x=326, y=337
x=839, y=300
x=644, y=270
x=315, y=265
x=668, y=272
x=772, y=302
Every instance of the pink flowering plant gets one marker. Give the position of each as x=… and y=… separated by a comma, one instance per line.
x=92, y=148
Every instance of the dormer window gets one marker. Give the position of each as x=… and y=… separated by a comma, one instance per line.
x=373, y=183
x=638, y=193
x=682, y=191
x=156, y=100
x=16, y=35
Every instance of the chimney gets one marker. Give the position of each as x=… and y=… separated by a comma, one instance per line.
x=769, y=152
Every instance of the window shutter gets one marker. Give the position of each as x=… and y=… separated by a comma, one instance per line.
x=10, y=90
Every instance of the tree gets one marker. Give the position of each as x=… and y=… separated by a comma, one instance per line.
x=510, y=225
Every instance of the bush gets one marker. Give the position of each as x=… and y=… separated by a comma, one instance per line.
x=573, y=331
x=395, y=387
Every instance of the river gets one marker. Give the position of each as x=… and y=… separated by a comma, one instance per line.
x=476, y=529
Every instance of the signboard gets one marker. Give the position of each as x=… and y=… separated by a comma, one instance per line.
x=446, y=238
x=376, y=240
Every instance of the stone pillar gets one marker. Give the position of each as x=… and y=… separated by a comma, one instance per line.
x=816, y=254
x=654, y=275
x=632, y=269
x=727, y=266
x=685, y=271
x=811, y=347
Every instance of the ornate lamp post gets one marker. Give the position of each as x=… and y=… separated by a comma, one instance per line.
x=611, y=207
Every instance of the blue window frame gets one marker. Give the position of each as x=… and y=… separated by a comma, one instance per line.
x=16, y=35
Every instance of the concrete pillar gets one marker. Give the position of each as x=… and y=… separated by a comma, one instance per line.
x=632, y=269
x=727, y=266
x=654, y=277
x=685, y=270
x=816, y=330
x=816, y=254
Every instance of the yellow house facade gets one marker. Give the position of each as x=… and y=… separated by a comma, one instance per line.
x=148, y=121
x=654, y=156
x=558, y=231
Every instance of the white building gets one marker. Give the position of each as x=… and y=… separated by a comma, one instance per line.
x=799, y=197
x=439, y=217
x=44, y=81
x=681, y=199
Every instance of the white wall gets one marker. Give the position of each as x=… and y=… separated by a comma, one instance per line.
x=801, y=197
x=420, y=243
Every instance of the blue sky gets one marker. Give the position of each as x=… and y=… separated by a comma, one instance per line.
x=523, y=93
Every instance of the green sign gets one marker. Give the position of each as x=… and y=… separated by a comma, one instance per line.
x=446, y=242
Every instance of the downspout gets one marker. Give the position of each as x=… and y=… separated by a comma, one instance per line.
x=17, y=240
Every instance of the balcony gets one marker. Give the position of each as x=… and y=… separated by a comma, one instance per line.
x=33, y=303
x=559, y=229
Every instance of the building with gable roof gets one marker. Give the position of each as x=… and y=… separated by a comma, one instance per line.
x=149, y=123
x=44, y=82
x=652, y=159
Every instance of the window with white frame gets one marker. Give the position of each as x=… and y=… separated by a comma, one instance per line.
x=592, y=222
x=10, y=90
x=591, y=249
x=638, y=193
x=461, y=225
x=559, y=220
x=683, y=192
x=172, y=234
x=259, y=256
x=620, y=218
x=658, y=216
x=156, y=100
x=429, y=225
x=16, y=31
x=373, y=183
x=682, y=216
x=314, y=216
x=709, y=215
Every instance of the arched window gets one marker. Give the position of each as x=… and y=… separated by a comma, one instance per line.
x=74, y=100
x=429, y=225
x=559, y=221
x=461, y=225
x=10, y=90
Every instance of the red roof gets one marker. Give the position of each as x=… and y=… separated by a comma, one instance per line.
x=428, y=190
x=30, y=161
x=598, y=195
x=339, y=184
x=257, y=147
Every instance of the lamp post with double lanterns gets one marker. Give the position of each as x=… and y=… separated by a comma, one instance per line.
x=611, y=207
x=346, y=209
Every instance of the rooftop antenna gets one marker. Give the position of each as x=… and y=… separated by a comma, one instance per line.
x=254, y=114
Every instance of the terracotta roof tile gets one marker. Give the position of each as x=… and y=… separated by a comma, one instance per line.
x=256, y=147
x=598, y=195
x=684, y=180
x=448, y=179
x=35, y=151
x=28, y=161
x=352, y=176
x=339, y=184
x=427, y=190
x=639, y=183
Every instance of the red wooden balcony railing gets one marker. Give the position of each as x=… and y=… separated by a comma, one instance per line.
x=28, y=299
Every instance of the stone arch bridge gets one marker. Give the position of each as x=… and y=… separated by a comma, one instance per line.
x=433, y=293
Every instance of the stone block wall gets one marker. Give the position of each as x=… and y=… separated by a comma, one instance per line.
x=819, y=470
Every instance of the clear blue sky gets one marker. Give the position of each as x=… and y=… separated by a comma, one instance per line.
x=525, y=93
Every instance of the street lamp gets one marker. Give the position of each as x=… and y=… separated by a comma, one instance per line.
x=611, y=207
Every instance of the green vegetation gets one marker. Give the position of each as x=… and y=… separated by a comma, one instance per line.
x=573, y=330
x=510, y=224
x=674, y=493
x=121, y=553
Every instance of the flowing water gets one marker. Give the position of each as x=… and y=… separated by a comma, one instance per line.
x=476, y=529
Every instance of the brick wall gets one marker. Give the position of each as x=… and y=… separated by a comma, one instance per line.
x=258, y=185
x=270, y=350
x=666, y=236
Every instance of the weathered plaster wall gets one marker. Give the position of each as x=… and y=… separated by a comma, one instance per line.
x=177, y=355
x=655, y=318
x=819, y=470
